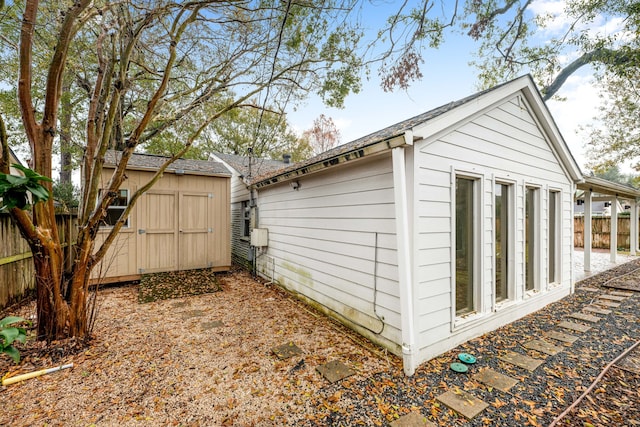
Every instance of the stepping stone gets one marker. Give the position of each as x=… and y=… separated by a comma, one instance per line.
x=593, y=309
x=589, y=289
x=495, y=379
x=286, y=351
x=574, y=326
x=212, y=325
x=585, y=317
x=335, y=371
x=608, y=303
x=462, y=402
x=617, y=298
x=412, y=419
x=191, y=314
x=621, y=293
x=543, y=346
x=522, y=361
x=560, y=336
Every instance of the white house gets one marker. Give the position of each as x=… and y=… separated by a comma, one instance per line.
x=243, y=218
x=433, y=230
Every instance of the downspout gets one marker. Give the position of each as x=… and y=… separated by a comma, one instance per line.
x=404, y=258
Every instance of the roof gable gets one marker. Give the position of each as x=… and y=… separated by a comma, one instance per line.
x=427, y=124
x=250, y=166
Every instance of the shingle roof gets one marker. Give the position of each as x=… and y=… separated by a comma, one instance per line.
x=381, y=135
x=257, y=167
x=153, y=162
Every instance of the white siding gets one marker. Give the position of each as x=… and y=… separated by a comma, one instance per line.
x=503, y=144
x=323, y=240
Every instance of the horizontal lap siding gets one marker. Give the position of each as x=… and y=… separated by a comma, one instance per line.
x=323, y=240
x=504, y=143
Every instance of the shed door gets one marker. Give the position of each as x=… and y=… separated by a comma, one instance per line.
x=196, y=222
x=157, y=232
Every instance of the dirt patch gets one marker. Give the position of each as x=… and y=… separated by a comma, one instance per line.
x=203, y=360
x=177, y=284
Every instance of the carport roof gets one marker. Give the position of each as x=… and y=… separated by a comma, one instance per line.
x=603, y=186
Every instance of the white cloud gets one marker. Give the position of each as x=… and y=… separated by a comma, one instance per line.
x=579, y=109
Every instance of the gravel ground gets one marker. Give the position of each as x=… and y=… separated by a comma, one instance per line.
x=537, y=399
x=207, y=360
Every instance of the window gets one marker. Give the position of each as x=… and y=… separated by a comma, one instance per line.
x=465, y=237
x=116, y=209
x=554, y=236
x=502, y=221
x=246, y=219
x=531, y=219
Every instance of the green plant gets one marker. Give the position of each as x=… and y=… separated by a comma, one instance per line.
x=9, y=333
x=14, y=188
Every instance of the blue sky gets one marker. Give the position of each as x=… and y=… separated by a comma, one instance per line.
x=447, y=77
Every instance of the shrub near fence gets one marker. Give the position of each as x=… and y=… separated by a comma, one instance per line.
x=16, y=266
x=601, y=232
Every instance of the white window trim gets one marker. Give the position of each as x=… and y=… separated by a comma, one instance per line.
x=480, y=307
x=539, y=249
x=127, y=223
x=512, y=230
x=559, y=236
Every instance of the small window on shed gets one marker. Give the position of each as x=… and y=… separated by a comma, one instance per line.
x=246, y=219
x=116, y=209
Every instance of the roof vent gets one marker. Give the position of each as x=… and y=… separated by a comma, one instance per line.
x=286, y=158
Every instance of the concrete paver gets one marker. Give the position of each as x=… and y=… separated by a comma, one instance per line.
x=543, y=347
x=574, y=326
x=335, y=371
x=412, y=419
x=611, y=297
x=520, y=360
x=561, y=336
x=495, y=379
x=286, y=351
x=585, y=317
x=606, y=303
x=462, y=402
x=597, y=310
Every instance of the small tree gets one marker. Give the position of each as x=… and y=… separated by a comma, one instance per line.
x=153, y=69
x=323, y=135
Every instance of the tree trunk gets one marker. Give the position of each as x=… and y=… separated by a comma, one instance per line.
x=65, y=132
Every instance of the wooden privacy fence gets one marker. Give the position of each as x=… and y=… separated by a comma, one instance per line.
x=601, y=232
x=17, y=277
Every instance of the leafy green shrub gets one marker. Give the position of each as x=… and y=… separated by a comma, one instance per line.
x=9, y=333
x=14, y=188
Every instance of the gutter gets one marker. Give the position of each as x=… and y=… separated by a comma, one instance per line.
x=337, y=159
x=403, y=236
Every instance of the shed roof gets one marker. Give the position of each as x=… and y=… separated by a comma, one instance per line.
x=152, y=162
x=251, y=166
x=398, y=133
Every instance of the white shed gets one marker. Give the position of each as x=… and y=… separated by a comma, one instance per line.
x=431, y=231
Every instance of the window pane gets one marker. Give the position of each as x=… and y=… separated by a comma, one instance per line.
x=530, y=234
x=553, y=237
x=502, y=240
x=464, y=245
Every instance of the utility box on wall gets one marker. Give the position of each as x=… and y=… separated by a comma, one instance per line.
x=259, y=237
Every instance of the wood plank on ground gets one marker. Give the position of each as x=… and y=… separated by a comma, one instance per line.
x=606, y=303
x=616, y=298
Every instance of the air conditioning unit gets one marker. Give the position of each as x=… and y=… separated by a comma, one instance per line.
x=259, y=237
